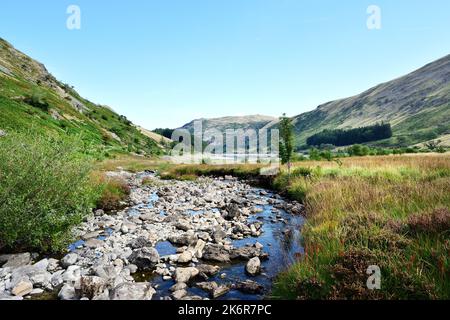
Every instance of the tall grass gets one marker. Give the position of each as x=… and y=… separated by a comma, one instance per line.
x=387, y=211
x=45, y=190
x=390, y=211
x=114, y=192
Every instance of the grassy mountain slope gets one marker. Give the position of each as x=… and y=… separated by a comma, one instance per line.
x=417, y=105
x=32, y=100
x=161, y=140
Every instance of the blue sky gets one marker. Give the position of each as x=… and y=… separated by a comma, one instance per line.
x=163, y=63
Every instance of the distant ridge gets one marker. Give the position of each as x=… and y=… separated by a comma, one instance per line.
x=417, y=105
x=255, y=122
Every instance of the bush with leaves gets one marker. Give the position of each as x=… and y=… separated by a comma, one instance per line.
x=45, y=190
x=38, y=100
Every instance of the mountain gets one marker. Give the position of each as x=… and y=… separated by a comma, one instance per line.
x=32, y=100
x=161, y=140
x=255, y=122
x=417, y=106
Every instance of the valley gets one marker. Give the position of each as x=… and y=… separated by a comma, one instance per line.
x=92, y=208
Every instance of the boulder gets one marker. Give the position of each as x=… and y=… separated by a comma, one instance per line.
x=145, y=258
x=92, y=286
x=36, y=292
x=17, y=260
x=185, y=257
x=185, y=239
x=57, y=279
x=216, y=252
x=133, y=291
x=214, y=290
x=197, y=251
x=185, y=274
x=133, y=268
x=178, y=286
x=106, y=272
x=67, y=292
x=94, y=243
x=5, y=296
x=140, y=242
x=36, y=274
x=22, y=288
x=253, y=266
x=147, y=217
x=179, y=294
x=207, y=270
x=245, y=253
x=69, y=260
x=249, y=287
x=183, y=225
x=231, y=211
x=42, y=265
x=91, y=235
x=40, y=278
x=219, y=234
x=72, y=275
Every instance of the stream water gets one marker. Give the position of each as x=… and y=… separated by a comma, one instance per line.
x=281, y=239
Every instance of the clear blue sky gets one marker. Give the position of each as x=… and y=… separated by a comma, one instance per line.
x=163, y=63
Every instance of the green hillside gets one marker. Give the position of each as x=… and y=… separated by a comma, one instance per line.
x=32, y=100
x=417, y=106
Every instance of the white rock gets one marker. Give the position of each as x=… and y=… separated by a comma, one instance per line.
x=72, y=275
x=253, y=266
x=185, y=274
x=42, y=265
x=53, y=265
x=185, y=257
x=57, y=278
x=69, y=260
x=179, y=294
x=18, y=260
x=23, y=288
x=67, y=292
x=178, y=286
x=258, y=245
x=124, y=229
x=133, y=291
x=36, y=292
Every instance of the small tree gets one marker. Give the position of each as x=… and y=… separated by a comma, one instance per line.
x=286, y=141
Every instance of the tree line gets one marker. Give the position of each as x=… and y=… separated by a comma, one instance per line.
x=341, y=137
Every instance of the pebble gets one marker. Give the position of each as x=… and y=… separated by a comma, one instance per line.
x=200, y=218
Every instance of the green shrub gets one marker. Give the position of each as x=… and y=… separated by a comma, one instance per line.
x=38, y=100
x=45, y=190
x=358, y=150
x=114, y=193
x=314, y=154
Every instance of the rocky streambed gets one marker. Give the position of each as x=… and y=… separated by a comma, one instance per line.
x=208, y=239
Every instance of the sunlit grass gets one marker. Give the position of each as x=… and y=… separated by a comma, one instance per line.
x=350, y=208
x=358, y=213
